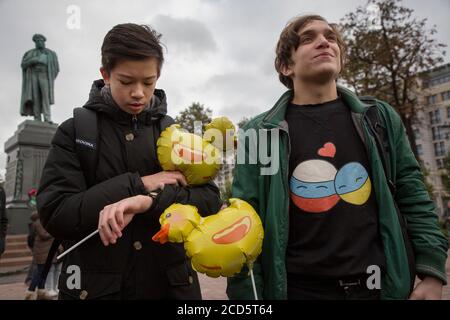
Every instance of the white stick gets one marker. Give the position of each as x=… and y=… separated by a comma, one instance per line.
x=77, y=244
x=253, y=283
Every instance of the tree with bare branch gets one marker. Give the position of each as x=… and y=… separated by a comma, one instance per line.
x=388, y=47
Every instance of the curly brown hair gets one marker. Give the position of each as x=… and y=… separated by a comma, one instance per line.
x=289, y=41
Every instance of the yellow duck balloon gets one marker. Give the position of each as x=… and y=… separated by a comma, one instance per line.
x=198, y=158
x=227, y=133
x=218, y=245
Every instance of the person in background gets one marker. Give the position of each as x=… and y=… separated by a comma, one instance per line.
x=31, y=234
x=30, y=242
x=51, y=283
x=41, y=247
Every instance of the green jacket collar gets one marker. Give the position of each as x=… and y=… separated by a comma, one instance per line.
x=276, y=115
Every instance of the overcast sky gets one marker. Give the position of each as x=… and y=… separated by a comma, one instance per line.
x=219, y=52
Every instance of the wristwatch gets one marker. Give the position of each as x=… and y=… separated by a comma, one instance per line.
x=153, y=194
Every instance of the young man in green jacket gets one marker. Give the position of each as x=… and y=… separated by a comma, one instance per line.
x=334, y=229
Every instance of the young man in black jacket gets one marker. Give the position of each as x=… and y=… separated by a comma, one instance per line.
x=130, y=114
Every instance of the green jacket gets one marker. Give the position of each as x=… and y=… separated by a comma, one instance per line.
x=269, y=194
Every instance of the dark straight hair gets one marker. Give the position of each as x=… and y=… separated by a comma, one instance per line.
x=131, y=41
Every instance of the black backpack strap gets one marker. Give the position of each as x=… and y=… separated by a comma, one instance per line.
x=165, y=122
x=379, y=132
x=86, y=142
x=86, y=146
x=49, y=261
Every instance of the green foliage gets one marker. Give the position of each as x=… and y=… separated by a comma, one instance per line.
x=195, y=112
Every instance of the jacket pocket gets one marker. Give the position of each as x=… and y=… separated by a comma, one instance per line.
x=183, y=282
x=179, y=274
x=91, y=285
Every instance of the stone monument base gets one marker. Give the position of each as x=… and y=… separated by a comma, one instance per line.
x=27, y=152
x=18, y=218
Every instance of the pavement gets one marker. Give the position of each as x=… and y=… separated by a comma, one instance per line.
x=12, y=286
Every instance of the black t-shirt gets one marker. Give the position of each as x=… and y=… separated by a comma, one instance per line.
x=333, y=219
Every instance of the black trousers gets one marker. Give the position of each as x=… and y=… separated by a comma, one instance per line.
x=36, y=279
x=314, y=288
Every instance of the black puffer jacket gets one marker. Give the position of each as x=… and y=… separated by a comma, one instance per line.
x=135, y=267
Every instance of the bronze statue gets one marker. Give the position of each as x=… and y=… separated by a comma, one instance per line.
x=39, y=70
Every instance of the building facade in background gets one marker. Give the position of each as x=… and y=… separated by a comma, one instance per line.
x=432, y=132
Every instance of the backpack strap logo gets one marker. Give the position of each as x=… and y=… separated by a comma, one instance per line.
x=86, y=142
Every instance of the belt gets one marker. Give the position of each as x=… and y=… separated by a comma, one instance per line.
x=344, y=282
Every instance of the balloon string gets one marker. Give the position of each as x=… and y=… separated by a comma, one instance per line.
x=253, y=283
x=77, y=244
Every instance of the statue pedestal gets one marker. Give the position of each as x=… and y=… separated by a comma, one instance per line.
x=27, y=152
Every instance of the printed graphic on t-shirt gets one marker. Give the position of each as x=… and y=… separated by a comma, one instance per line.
x=316, y=185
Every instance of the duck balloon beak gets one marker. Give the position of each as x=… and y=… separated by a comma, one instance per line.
x=162, y=236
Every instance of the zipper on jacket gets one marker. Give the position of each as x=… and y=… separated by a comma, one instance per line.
x=134, y=122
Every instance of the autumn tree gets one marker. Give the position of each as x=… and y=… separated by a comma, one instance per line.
x=387, y=48
x=243, y=122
